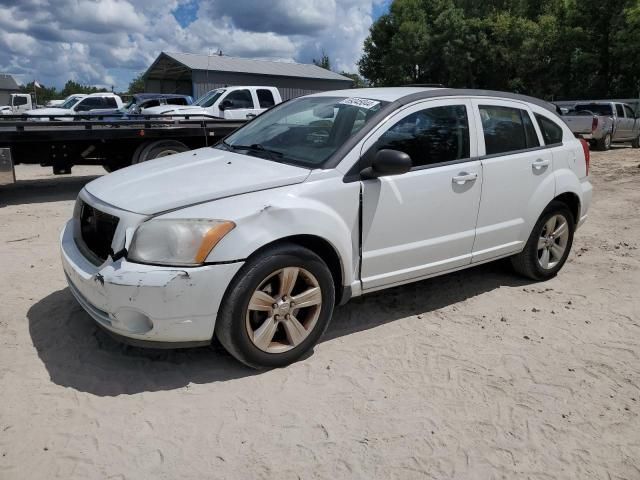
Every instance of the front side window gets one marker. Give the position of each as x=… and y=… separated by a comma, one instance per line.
x=551, y=132
x=238, y=99
x=265, y=98
x=430, y=136
x=90, y=104
x=17, y=101
x=619, y=110
x=507, y=129
x=305, y=131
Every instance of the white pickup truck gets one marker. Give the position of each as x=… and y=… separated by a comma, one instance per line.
x=79, y=104
x=231, y=103
x=18, y=103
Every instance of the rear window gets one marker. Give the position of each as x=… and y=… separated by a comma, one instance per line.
x=507, y=129
x=265, y=98
x=551, y=132
x=596, y=108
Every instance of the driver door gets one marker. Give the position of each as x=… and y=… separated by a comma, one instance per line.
x=422, y=222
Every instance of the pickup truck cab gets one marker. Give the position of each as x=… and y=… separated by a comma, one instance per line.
x=232, y=103
x=320, y=199
x=18, y=103
x=79, y=104
x=604, y=123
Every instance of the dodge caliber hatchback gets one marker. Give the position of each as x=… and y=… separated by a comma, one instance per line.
x=320, y=199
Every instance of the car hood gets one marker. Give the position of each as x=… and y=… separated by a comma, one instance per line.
x=49, y=111
x=184, y=179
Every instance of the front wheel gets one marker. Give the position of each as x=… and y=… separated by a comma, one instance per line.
x=635, y=143
x=277, y=307
x=549, y=244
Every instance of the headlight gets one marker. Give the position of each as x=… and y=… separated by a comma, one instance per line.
x=177, y=242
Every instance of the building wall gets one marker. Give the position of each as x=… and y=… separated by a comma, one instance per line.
x=5, y=96
x=289, y=87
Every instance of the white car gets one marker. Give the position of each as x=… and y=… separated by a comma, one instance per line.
x=323, y=198
x=80, y=104
x=231, y=103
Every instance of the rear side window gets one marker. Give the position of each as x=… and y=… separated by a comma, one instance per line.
x=430, y=136
x=265, y=98
x=630, y=113
x=507, y=129
x=551, y=132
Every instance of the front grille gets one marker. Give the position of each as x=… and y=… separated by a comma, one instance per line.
x=96, y=230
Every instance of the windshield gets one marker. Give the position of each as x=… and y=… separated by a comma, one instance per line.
x=209, y=98
x=70, y=102
x=597, y=108
x=305, y=131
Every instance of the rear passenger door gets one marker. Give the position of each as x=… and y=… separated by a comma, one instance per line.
x=517, y=177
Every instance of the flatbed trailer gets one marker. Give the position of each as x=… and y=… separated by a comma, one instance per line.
x=93, y=140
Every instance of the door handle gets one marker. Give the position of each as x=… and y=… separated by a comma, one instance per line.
x=539, y=164
x=464, y=177
x=251, y=115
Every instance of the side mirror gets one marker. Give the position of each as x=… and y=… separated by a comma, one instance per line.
x=387, y=163
x=225, y=104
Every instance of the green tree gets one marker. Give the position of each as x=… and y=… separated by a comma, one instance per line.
x=324, y=61
x=358, y=81
x=549, y=48
x=136, y=85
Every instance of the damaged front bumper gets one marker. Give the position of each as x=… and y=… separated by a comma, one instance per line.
x=148, y=305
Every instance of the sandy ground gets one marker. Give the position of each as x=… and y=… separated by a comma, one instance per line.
x=478, y=374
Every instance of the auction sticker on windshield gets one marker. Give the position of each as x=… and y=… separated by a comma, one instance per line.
x=360, y=102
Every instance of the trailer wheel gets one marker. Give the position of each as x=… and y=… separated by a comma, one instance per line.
x=160, y=148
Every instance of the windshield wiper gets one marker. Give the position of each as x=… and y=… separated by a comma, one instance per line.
x=256, y=147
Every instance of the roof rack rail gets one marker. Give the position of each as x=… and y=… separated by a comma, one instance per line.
x=425, y=85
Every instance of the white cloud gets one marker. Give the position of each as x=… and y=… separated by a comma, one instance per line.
x=109, y=41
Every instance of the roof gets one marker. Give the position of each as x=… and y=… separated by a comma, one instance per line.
x=7, y=82
x=405, y=95
x=224, y=63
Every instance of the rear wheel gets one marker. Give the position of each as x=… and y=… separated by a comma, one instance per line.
x=604, y=143
x=277, y=307
x=549, y=244
x=635, y=143
x=158, y=149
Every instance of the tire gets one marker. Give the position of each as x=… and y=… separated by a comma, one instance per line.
x=529, y=262
x=635, y=143
x=238, y=327
x=604, y=143
x=160, y=148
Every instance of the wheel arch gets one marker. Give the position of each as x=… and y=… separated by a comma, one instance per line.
x=321, y=247
x=572, y=201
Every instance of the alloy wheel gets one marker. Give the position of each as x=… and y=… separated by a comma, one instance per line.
x=553, y=241
x=283, y=310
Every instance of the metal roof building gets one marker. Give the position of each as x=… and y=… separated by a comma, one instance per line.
x=194, y=75
x=8, y=85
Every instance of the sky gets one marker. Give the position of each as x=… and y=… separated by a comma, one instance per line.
x=108, y=42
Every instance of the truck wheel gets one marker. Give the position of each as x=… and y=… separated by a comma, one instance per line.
x=277, y=307
x=635, y=143
x=549, y=244
x=160, y=148
x=604, y=143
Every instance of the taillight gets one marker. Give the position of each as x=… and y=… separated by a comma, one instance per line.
x=587, y=153
x=594, y=124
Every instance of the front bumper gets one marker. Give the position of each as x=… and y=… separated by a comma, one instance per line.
x=144, y=303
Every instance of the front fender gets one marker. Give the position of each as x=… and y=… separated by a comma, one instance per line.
x=327, y=209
